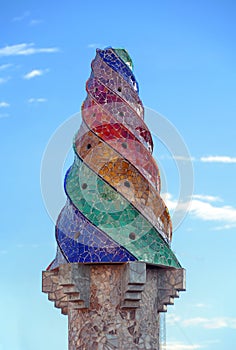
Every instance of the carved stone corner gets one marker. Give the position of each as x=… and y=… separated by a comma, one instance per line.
x=133, y=283
x=170, y=283
x=68, y=286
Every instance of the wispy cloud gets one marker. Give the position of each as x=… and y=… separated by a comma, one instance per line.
x=21, y=17
x=4, y=104
x=207, y=198
x=204, y=322
x=204, y=159
x=93, y=46
x=218, y=159
x=184, y=159
x=4, y=80
x=203, y=207
x=28, y=245
x=181, y=346
x=5, y=66
x=35, y=73
x=25, y=17
x=176, y=345
x=25, y=49
x=225, y=227
x=211, y=323
x=37, y=100
x=3, y=252
x=34, y=22
x=172, y=319
x=201, y=305
x=4, y=115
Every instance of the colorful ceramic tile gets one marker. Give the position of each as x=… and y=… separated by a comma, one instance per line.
x=114, y=212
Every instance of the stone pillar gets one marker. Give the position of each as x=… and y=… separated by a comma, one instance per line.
x=113, y=306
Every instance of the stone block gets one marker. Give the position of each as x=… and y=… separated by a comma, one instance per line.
x=113, y=306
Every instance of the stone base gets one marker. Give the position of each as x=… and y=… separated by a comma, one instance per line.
x=113, y=306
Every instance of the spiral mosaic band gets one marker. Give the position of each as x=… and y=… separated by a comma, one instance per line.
x=114, y=211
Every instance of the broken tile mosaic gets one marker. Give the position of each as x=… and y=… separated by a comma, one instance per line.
x=114, y=211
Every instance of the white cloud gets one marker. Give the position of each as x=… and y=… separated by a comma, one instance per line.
x=202, y=207
x=225, y=227
x=25, y=49
x=204, y=159
x=211, y=323
x=4, y=80
x=204, y=322
x=5, y=66
x=177, y=158
x=196, y=321
x=218, y=159
x=208, y=212
x=207, y=198
x=4, y=104
x=181, y=346
x=184, y=159
x=172, y=319
x=25, y=17
x=201, y=305
x=93, y=46
x=37, y=100
x=35, y=73
x=35, y=22
x=168, y=199
x=21, y=17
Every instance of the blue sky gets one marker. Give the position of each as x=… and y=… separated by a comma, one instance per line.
x=184, y=60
